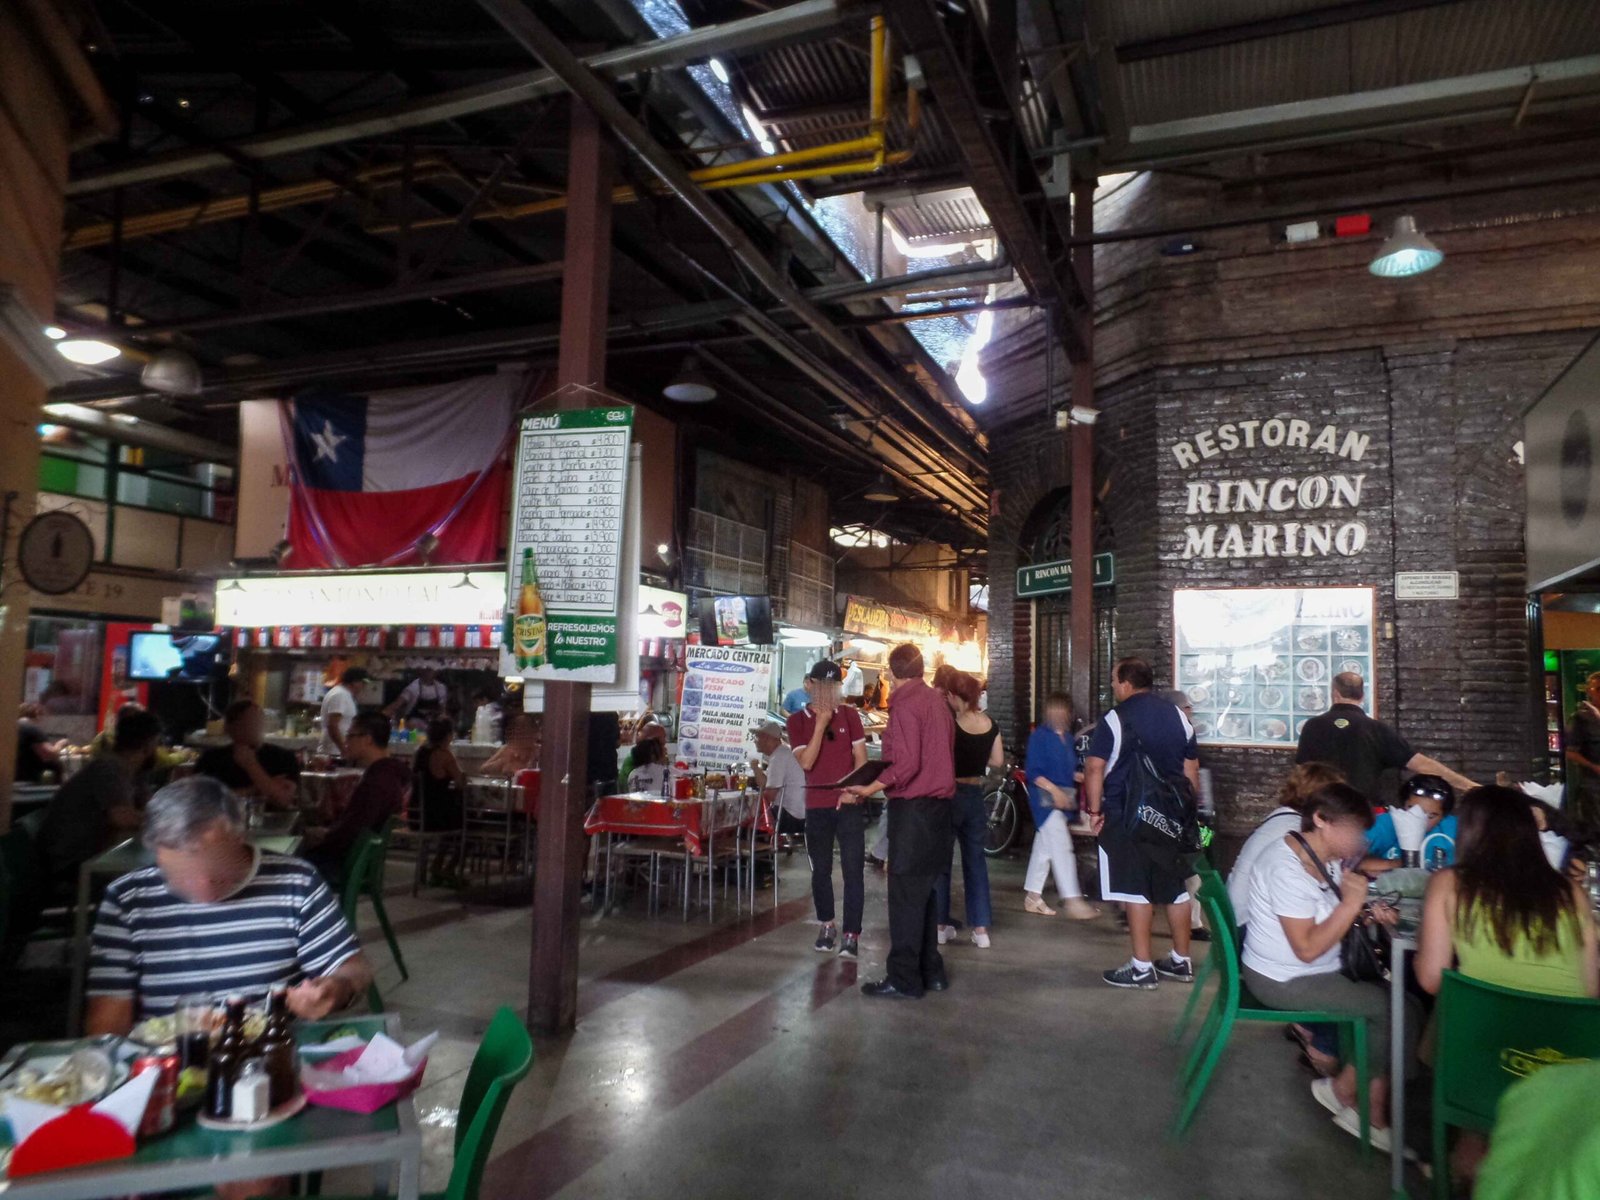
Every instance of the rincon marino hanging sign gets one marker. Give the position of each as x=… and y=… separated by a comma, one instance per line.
x=1307, y=515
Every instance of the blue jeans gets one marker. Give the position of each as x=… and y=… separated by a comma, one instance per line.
x=970, y=824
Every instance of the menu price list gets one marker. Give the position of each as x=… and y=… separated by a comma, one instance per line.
x=725, y=692
x=571, y=485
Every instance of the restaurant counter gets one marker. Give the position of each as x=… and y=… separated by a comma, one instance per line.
x=469, y=754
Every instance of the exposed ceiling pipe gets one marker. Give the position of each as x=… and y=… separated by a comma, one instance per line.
x=131, y=431
x=538, y=39
x=806, y=18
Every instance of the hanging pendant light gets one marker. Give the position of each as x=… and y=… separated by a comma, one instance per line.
x=690, y=385
x=881, y=491
x=1406, y=251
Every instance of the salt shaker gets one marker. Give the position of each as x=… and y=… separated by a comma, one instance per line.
x=252, y=1093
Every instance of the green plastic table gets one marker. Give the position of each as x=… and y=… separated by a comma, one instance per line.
x=318, y=1139
x=122, y=859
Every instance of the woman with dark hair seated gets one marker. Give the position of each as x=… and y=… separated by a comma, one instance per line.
x=1504, y=915
x=1301, y=906
x=441, y=783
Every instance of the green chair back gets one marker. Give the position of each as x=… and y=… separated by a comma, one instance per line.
x=1212, y=885
x=504, y=1058
x=1491, y=1036
x=358, y=865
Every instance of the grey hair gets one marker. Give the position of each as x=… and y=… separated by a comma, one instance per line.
x=181, y=812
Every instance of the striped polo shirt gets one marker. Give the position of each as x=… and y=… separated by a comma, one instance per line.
x=282, y=926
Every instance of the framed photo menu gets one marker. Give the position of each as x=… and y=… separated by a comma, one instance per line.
x=1257, y=662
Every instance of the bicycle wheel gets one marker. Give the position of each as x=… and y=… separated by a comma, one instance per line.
x=1000, y=809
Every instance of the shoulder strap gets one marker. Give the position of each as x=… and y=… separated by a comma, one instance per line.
x=1321, y=866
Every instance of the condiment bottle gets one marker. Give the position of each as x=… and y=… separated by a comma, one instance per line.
x=225, y=1061
x=252, y=1093
x=277, y=1048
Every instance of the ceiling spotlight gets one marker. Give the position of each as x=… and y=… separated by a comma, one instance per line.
x=881, y=491
x=54, y=332
x=690, y=385
x=1406, y=251
x=172, y=373
x=87, y=352
x=717, y=69
x=663, y=549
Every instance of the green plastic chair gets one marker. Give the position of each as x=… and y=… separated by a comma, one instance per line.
x=503, y=1060
x=1233, y=1003
x=1209, y=880
x=1489, y=1038
x=367, y=875
x=358, y=864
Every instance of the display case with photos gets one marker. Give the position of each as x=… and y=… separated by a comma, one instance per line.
x=1257, y=663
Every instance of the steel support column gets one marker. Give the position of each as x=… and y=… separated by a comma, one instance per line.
x=564, y=757
x=1082, y=435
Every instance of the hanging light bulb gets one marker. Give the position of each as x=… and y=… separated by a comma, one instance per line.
x=1406, y=251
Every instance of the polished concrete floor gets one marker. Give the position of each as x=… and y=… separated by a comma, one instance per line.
x=730, y=1060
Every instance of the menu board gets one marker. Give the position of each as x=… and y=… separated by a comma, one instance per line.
x=1257, y=663
x=725, y=691
x=568, y=507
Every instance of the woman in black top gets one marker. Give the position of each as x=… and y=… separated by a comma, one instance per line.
x=440, y=783
x=978, y=749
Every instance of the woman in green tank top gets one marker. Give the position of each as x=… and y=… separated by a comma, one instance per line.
x=1504, y=915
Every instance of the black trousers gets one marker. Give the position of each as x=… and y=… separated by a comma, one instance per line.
x=847, y=825
x=919, y=850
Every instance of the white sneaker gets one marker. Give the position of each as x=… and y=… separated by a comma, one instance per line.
x=980, y=940
x=1350, y=1121
x=947, y=934
x=1322, y=1092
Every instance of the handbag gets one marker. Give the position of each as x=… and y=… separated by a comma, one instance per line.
x=1360, y=951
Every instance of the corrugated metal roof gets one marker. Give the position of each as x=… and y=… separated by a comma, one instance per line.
x=940, y=218
x=1415, y=47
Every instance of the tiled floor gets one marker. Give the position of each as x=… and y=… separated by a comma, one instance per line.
x=733, y=1061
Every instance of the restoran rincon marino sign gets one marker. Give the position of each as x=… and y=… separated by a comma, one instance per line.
x=1307, y=516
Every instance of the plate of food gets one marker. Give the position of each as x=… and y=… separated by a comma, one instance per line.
x=1311, y=670
x=163, y=1030
x=1238, y=695
x=1274, y=729
x=1271, y=697
x=1311, y=641
x=1311, y=699
x=1204, y=723
x=1349, y=640
x=1274, y=669
x=54, y=1074
x=1353, y=666
x=1200, y=693
x=1235, y=726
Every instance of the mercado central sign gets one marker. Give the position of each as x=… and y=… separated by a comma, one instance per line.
x=1306, y=516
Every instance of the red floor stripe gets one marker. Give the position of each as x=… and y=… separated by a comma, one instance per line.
x=562, y=1152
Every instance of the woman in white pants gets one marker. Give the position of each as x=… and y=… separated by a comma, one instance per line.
x=1052, y=768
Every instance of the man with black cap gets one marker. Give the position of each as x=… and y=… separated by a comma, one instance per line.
x=829, y=742
x=338, y=708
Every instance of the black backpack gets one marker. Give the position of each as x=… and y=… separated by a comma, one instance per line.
x=1159, y=810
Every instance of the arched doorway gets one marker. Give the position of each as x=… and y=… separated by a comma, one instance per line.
x=1046, y=536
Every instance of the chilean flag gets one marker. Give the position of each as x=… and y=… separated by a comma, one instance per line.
x=373, y=475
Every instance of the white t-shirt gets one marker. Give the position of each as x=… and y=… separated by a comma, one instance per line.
x=648, y=778
x=1275, y=828
x=855, y=681
x=784, y=774
x=1281, y=887
x=339, y=700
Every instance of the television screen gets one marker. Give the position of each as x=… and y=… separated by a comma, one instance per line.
x=154, y=656
x=736, y=621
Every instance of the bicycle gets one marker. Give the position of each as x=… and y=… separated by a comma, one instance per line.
x=1004, y=800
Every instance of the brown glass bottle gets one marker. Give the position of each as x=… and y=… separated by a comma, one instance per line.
x=277, y=1048
x=225, y=1058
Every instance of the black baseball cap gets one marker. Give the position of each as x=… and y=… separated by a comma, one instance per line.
x=825, y=671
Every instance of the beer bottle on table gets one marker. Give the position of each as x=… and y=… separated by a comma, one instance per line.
x=277, y=1048
x=226, y=1056
x=528, y=625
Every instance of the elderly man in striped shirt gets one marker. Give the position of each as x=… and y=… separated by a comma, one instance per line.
x=216, y=916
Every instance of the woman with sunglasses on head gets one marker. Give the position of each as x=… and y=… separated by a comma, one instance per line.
x=1504, y=915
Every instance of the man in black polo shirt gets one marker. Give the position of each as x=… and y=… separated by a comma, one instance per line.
x=247, y=763
x=1346, y=738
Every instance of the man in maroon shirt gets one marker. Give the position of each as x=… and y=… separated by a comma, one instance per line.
x=828, y=743
x=919, y=746
x=381, y=794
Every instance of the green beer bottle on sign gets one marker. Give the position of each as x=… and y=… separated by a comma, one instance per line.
x=528, y=629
